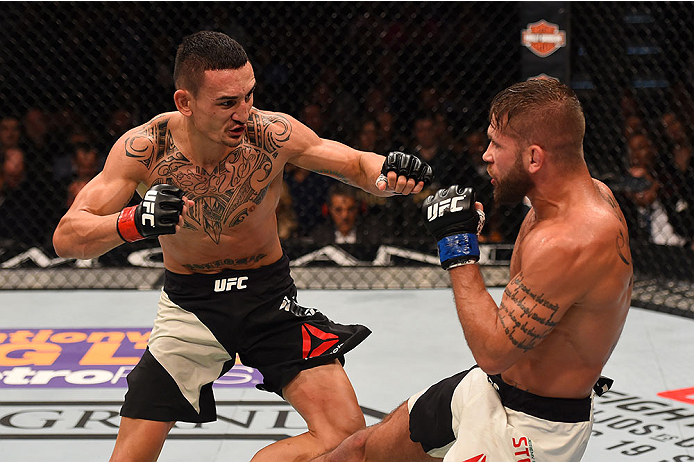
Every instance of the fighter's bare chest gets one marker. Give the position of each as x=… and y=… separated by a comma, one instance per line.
x=223, y=195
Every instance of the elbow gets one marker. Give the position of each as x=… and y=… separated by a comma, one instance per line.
x=491, y=364
x=63, y=245
x=60, y=244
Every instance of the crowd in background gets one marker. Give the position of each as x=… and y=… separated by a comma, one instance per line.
x=376, y=76
x=656, y=192
x=46, y=158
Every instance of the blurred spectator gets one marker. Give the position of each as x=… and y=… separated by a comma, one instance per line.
x=391, y=138
x=628, y=104
x=82, y=164
x=41, y=148
x=367, y=138
x=121, y=121
x=286, y=217
x=647, y=218
x=632, y=124
x=349, y=223
x=656, y=212
x=337, y=104
x=641, y=152
x=427, y=145
x=30, y=210
x=312, y=116
x=307, y=190
x=10, y=132
x=73, y=189
x=36, y=128
x=680, y=142
x=14, y=168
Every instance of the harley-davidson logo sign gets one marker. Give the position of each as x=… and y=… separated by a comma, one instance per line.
x=543, y=38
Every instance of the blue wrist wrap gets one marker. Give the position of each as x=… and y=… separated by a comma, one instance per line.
x=458, y=245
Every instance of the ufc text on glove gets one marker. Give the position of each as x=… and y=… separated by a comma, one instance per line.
x=157, y=214
x=451, y=217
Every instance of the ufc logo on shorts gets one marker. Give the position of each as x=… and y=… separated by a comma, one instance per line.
x=439, y=208
x=148, y=206
x=224, y=285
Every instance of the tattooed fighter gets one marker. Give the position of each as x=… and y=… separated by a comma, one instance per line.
x=214, y=173
x=539, y=353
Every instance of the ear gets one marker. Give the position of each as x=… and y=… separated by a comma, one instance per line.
x=182, y=99
x=535, y=158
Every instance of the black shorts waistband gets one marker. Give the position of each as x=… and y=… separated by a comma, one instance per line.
x=229, y=279
x=553, y=409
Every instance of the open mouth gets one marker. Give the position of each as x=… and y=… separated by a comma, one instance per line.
x=238, y=131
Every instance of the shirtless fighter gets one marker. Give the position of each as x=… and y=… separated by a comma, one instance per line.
x=539, y=353
x=214, y=173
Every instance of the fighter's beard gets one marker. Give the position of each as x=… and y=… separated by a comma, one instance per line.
x=511, y=189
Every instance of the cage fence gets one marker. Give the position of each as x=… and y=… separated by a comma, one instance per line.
x=379, y=76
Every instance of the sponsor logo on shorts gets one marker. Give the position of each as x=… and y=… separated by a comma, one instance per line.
x=290, y=306
x=227, y=284
x=523, y=449
x=316, y=342
x=543, y=38
x=480, y=458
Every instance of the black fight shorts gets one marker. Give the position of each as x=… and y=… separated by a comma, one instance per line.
x=204, y=320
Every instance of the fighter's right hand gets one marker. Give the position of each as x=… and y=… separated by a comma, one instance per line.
x=157, y=214
x=452, y=218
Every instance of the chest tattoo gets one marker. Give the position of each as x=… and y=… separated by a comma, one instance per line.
x=225, y=195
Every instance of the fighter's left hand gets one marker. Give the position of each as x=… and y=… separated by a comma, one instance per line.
x=404, y=174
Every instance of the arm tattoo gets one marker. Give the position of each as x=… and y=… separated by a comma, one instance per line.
x=335, y=174
x=535, y=320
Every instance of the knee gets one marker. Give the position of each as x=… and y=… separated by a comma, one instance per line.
x=352, y=449
x=343, y=429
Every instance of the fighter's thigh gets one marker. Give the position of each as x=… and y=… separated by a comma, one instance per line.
x=140, y=440
x=324, y=397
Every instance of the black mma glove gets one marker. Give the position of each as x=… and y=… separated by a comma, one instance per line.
x=406, y=165
x=450, y=216
x=157, y=214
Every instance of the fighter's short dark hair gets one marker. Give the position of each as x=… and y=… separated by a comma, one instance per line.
x=203, y=51
x=542, y=111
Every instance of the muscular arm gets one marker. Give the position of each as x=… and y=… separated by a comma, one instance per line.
x=88, y=229
x=334, y=159
x=552, y=277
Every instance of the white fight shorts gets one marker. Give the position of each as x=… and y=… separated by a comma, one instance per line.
x=473, y=417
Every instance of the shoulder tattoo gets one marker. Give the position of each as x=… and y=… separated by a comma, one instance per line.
x=148, y=145
x=268, y=132
x=622, y=240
